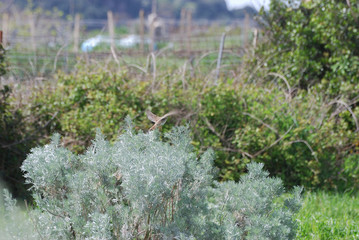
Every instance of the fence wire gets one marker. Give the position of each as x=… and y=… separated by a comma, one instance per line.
x=43, y=45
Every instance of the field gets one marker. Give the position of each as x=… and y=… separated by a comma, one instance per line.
x=42, y=43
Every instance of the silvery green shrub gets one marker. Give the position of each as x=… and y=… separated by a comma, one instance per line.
x=14, y=221
x=142, y=187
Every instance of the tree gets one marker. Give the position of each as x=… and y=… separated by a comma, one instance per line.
x=315, y=43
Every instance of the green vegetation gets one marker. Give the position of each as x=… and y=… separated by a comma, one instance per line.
x=140, y=187
x=12, y=216
x=323, y=216
x=328, y=216
x=291, y=105
x=304, y=139
x=19, y=132
x=315, y=44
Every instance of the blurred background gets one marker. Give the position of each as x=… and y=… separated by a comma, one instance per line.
x=42, y=31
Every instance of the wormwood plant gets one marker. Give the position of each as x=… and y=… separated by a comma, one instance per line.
x=11, y=217
x=141, y=187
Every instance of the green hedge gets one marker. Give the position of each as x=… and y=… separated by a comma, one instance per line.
x=314, y=44
x=299, y=139
x=304, y=139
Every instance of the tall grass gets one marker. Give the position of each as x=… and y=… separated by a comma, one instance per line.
x=327, y=216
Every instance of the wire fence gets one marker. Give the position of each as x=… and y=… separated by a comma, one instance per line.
x=42, y=45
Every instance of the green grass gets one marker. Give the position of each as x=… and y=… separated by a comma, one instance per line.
x=329, y=216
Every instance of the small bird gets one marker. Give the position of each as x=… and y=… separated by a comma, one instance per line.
x=159, y=121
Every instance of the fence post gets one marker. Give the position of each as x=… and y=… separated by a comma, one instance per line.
x=142, y=31
x=182, y=27
x=189, y=29
x=5, y=20
x=32, y=31
x=0, y=37
x=152, y=18
x=246, y=29
x=255, y=33
x=154, y=6
x=220, y=53
x=76, y=32
x=111, y=28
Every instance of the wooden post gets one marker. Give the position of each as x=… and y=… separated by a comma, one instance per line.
x=219, y=59
x=152, y=18
x=152, y=35
x=246, y=29
x=0, y=37
x=76, y=33
x=5, y=21
x=182, y=27
x=32, y=31
x=154, y=6
x=255, y=39
x=189, y=29
x=142, y=30
x=111, y=28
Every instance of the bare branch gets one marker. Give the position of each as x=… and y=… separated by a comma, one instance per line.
x=114, y=55
x=259, y=120
x=307, y=144
x=57, y=55
x=235, y=150
x=210, y=126
x=32, y=135
x=286, y=82
x=274, y=143
x=351, y=11
x=348, y=108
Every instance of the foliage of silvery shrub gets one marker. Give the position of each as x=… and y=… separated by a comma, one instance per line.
x=142, y=187
x=14, y=221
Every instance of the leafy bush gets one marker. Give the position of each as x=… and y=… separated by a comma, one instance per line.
x=141, y=187
x=84, y=101
x=314, y=43
x=304, y=138
x=93, y=97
